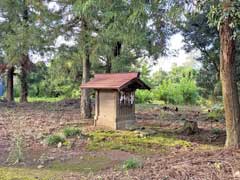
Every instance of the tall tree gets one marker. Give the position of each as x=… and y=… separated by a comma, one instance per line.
x=198, y=35
x=10, y=76
x=226, y=16
x=111, y=35
x=26, y=29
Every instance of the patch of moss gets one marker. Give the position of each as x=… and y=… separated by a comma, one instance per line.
x=7, y=173
x=129, y=141
x=86, y=165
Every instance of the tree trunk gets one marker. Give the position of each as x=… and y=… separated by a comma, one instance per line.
x=229, y=84
x=23, y=79
x=117, y=49
x=108, y=65
x=85, y=93
x=10, y=73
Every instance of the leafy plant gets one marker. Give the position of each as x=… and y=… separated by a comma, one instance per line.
x=132, y=164
x=54, y=139
x=71, y=131
x=144, y=96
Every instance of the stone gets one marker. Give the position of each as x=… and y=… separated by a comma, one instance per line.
x=236, y=174
x=190, y=127
x=40, y=166
x=145, y=132
x=132, y=127
x=59, y=145
x=51, y=158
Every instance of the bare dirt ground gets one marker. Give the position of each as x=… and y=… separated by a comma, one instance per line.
x=205, y=159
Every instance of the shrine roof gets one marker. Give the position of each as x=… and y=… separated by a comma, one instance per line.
x=116, y=81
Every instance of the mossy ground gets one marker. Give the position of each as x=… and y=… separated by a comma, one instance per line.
x=57, y=170
x=7, y=173
x=88, y=164
x=131, y=142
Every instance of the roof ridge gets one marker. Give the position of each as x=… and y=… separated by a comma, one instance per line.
x=119, y=73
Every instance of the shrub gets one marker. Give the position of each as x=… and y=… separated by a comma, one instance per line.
x=54, y=139
x=131, y=164
x=143, y=96
x=71, y=131
x=183, y=92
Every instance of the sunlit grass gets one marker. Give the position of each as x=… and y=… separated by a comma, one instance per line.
x=43, y=99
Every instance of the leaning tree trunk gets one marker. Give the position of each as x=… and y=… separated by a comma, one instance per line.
x=23, y=79
x=85, y=93
x=10, y=74
x=229, y=84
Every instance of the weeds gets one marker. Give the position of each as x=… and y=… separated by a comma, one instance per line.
x=16, y=153
x=54, y=139
x=71, y=132
x=132, y=164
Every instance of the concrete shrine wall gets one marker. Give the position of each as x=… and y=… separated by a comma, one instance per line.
x=114, y=109
x=107, y=108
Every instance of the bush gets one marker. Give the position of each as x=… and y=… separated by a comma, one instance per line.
x=144, y=96
x=183, y=92
x=54, y=139
x=131, y=164
x=71, y=131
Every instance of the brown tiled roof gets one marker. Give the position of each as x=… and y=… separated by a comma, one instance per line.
x=114, y=81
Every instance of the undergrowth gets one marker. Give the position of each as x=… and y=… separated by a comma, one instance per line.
x=131, y=163
x=71, y=131
x=55, y=139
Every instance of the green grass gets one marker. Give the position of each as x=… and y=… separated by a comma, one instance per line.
x=129, y=141
x=7, y=173
x=42, y=99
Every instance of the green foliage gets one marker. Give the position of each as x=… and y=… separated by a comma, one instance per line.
x=219, y=12
x=54, y=139
x=143, y=96
x=179, y=87
x=132, y=164
x=71, y=132
x=176, y=87
x=25, y=26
